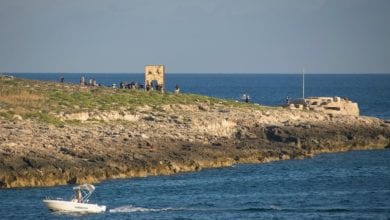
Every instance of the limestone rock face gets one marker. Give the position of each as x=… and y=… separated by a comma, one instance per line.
x=218, y=128
x=176, y=138
x=329, y=105
x=103, y=116
x=335, y=105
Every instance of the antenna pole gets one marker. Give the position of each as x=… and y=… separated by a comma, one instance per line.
x=303, y=83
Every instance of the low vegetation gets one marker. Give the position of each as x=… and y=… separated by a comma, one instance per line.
x=40, y=100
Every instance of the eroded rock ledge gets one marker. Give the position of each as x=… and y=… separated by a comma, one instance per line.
x=175, y=138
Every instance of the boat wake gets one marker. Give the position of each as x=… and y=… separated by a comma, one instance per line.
x=130, y=208
x=272, y=208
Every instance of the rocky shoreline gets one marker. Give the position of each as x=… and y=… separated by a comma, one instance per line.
x=100, y=145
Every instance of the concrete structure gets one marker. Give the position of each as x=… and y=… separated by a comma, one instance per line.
x=331, y=105
x=154, y=77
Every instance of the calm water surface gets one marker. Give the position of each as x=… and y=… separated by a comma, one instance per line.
x=353, y=185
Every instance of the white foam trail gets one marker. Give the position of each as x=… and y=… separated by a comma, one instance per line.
x=274, y=207
x=130, y=208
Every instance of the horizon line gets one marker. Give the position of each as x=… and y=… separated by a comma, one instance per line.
x=183, y=73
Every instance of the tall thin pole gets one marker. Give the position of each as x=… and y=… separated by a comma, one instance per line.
x=303, y=83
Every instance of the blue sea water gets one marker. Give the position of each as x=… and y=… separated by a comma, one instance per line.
x=371, y=91
x=352, y=185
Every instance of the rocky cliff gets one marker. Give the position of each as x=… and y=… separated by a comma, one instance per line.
x=92, y=145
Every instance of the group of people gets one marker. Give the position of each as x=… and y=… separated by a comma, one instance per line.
x=160, y=88
x=246, y=98
x=156, y=86
x=132, y=85
x=90, y=82
x=123, y=85
x=83, y=82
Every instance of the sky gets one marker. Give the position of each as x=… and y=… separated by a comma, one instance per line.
x=195, y=36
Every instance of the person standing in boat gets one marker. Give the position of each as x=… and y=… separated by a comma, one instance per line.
x=79, y=197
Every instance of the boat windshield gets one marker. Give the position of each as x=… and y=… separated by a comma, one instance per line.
x=83, y=192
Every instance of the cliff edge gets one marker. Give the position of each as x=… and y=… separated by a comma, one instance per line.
x=53, y=134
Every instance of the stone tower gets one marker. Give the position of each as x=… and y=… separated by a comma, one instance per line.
x=155, y=73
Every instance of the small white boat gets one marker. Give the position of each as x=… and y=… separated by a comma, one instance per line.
x=78, y=203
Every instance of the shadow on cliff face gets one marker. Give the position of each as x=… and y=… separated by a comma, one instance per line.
x=88, y=159
x=329, y=136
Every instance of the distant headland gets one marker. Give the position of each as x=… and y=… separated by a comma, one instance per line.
x=58, y=133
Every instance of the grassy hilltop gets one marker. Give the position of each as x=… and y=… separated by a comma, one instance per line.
x=40, y=100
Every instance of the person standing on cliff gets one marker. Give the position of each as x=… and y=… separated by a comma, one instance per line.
x=246, y=98
x=177, y=89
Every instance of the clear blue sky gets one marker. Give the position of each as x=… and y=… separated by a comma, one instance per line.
x=197, y=36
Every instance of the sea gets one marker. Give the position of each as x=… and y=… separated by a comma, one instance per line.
x=349, y=185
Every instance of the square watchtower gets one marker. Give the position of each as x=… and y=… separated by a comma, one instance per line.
x=155, y=76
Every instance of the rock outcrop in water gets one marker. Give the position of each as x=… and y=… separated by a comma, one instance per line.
x=97, y=145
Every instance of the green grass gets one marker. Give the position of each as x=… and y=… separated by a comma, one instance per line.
x=103, y=99
x=39, y=100
x=7, y=115
x=45, y=117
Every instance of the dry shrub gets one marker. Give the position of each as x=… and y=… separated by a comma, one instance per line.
x=21, y=97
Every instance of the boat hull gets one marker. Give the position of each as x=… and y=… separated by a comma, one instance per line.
x=68, y=206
